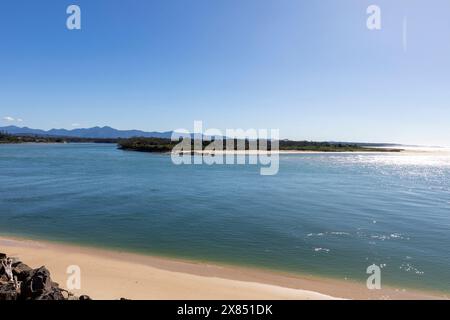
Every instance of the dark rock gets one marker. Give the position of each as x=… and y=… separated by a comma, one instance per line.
x=37, y=283
x=21, y=271
x=54, y=294
x=32, y=284
x=8, y=292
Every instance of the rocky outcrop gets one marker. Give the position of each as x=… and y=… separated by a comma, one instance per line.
x=18, y=281
x=8, y=291
x=21, y=270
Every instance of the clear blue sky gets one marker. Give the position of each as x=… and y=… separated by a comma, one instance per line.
x=310, y=68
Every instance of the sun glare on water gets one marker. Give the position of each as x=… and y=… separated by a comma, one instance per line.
x=411, y=156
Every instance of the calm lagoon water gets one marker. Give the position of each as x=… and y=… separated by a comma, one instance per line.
x=323, y=214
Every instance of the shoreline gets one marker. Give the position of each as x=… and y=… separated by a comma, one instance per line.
x=218, y=152
x=225, y=152
x=109, y=274
x=277, y=152
x=403, y=151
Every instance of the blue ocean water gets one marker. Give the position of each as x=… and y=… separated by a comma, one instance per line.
x=323, y=214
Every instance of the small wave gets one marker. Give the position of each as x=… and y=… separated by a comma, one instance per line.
x=321, y=249
x=315, y=234
x=394, y=236
x=408, y=267
x=338, y=233
x=334, y=233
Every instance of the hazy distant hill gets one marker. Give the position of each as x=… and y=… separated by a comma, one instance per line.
x=95, y=132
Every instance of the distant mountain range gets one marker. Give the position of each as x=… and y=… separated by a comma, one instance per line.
x=95, y=132
x=111, y=133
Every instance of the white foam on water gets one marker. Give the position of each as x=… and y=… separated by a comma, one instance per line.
x=321, y=249
x=408, y=267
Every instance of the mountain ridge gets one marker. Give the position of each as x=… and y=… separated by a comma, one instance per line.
x=97, y=132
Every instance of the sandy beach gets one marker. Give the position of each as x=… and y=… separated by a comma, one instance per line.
x=405, y=151
x=112, y=275
x=269, y=152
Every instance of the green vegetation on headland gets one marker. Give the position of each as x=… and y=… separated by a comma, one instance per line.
x=288, y=145
x=8, y=138
x=147, y=144
x=166, y=145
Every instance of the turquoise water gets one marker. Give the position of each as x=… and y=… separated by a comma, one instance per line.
x=323, y=214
